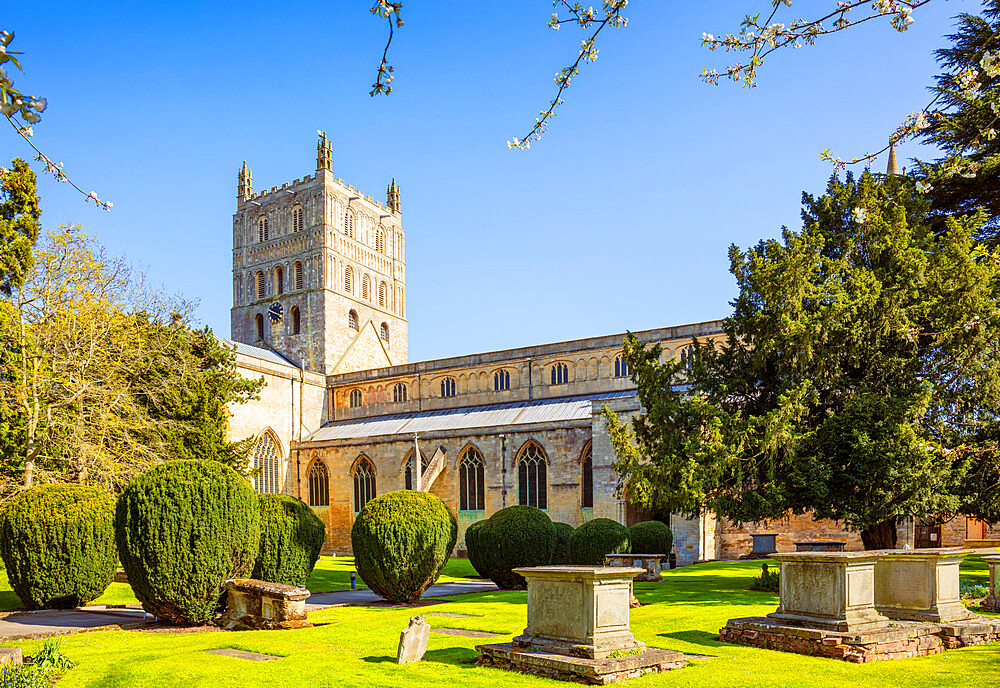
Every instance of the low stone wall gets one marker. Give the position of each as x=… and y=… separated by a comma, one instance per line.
x=735, y=542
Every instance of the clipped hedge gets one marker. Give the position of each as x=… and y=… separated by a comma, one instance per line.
x=183, y=528
x=291, y=536
x=651, y=537
x=58, y=545
x=510, y=538
x=563, y=532
x=473, y=546
x=592, y=542
x=401, y=542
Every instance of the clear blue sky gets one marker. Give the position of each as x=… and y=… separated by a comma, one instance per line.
x=619, y=219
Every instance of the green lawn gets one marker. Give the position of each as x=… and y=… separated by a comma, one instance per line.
x=330, y=573
x=355, y=646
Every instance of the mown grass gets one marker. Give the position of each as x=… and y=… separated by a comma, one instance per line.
x=330, y=573
x=356, y=646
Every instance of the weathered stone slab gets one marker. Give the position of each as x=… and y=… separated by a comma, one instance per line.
x=413, y=641
x=820, y=546
x=579, y=669
x=833, y=591
x=920, y=584
x=242, y=654
x=465, y=633
x=650, y=563
x=255, y=604
x=11, y=655
x=992, y=601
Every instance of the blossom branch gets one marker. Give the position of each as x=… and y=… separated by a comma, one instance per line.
x=383, y=79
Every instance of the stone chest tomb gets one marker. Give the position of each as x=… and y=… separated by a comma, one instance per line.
x=255, y=604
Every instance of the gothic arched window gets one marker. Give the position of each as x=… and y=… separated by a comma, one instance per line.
x=380, y=240
x=352, y=320
x=399, y=392
x=349, y=279
x=408, y=471
x=279, y=278
x=265, y=464
x=319, y=484
x=296, y=320
x=261, y=285
x=448, y=387
x=587, y=478
x=381, y=294
x=349, y=224
x=471, y=481
x=364, y=483
x=501, y=381
x=366, y=288
x=559, y=374
x=297, y=219
x=262, y=229
x=384, y=333
x=259, y=322
x=298, y=275
x=621, y=367
x=532, y=485
x=687, y=356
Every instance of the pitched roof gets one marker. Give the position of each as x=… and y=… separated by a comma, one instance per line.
x=258, y=352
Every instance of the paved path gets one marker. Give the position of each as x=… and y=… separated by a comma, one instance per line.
x=321, y=600
x=42, y=624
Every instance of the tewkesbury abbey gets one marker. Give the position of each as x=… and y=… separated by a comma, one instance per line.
x=319, y=310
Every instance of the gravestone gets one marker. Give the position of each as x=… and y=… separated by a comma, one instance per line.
x=820, y=546
x=11, y=655
x=413, y=641
x=650, y=563
x=920, y=585
x=255, y=604
x=764, y=544
x=992, y=601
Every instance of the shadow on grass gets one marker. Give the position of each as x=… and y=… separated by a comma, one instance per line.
x=9, y=601
x=456, y=656
x=694, y=637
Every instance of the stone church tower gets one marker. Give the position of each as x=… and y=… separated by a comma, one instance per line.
x=319, y=271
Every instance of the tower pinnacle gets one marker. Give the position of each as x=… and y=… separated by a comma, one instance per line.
x=244, y=189
x=892, y=168
x=324, y=153
x=392, y=197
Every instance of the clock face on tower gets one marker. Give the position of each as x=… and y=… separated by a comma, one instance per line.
x=274, y=313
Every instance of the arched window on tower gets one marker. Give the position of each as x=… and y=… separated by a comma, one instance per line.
x=354, y=399
x=364, y=483
x=296, y=320
x=262, y=228
x=298, y=274
x=501, y=381
x=381, y=294
x=266, y=477
x=259, y=322
x=279, y=278
x=349, y=280
x=399, y=392
x=408, y=481
x=366, y=288
x=297, y=219
x=352, y=320
x=587, y=478
x=559, y=374
x=621, y=367
x=471, y=481
x=349, y=224
x=383, y=331
x=319, y=484
x=448, y=387
x=261, y=286
x=380, y=240
x=532, y=484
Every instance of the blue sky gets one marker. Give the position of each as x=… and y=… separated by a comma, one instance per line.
x=619, y=219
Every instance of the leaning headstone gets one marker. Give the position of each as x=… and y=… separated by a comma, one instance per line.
x=10, y=655
x=413, y=641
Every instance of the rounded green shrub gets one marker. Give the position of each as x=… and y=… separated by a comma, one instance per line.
x=513, y=537
x=561, y=556
x=401, y=542
x=291, y=536
x=58, y=545
x=592, y=542
x=183, y=528
x=473, y=547
x=651, y=537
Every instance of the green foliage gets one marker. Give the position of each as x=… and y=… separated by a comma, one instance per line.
x=19, y=226
x=291, y=536
x=651, y=537
x=513, y=537
x=51, y=657
x=858, y=378
x=474, y=548
x=563, y=532
x=974, y=591
x=769, y=580
x=24, y=676
x=58, y=545
x=401, y=542
x=592, y=542
x=183, y=528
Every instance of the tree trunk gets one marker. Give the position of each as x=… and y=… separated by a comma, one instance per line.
x=881, y=535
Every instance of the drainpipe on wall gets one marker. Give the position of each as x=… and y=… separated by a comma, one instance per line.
x=529, y=381
x=503, y=471
x=420, y=399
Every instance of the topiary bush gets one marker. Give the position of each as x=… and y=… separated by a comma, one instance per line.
x=592, y=542
x=510, y=538
x=651, y=537
x=58, y=545
x=473, y=547
x=561, y=556
x=291, y=536
x=401, y=542
x=183, y=528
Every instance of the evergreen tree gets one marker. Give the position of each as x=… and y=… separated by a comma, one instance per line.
x=858, y=378
x=19, y=212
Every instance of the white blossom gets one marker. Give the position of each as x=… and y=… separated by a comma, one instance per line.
x=860, y=215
